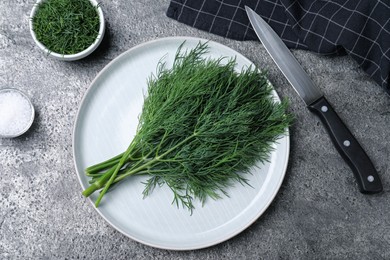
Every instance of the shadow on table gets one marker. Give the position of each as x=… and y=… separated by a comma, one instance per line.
x=102, y=49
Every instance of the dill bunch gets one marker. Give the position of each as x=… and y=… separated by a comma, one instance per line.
x=66, y=26
x=201, y=129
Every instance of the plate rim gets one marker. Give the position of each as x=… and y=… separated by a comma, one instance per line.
x=91, y=87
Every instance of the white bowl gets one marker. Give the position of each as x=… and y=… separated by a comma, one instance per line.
x=70, y=57
x=25, y=120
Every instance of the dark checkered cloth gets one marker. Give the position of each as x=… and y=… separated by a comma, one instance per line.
x=360, y=28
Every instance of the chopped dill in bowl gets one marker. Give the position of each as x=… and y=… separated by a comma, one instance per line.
x=66, y=26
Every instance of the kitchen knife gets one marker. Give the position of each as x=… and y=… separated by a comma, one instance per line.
x=366, y=176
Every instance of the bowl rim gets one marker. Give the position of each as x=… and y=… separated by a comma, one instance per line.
x=29, y=124
x=75, y=56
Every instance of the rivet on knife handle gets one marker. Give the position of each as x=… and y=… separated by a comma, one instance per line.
x=349, y=148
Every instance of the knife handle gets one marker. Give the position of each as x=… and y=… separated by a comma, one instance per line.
x=365, y=173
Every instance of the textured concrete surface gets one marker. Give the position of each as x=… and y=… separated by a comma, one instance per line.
x=317, y=214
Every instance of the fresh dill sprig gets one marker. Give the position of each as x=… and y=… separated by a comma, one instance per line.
x=202, y=127
x=66, y=26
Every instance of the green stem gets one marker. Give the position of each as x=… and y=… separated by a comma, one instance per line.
x=99, y=183
x=117, y=168
x=152, y=161
x=103, y=165
x=111, y=175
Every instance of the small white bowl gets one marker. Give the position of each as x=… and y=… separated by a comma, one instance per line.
x=13, y=114
x=76, y=56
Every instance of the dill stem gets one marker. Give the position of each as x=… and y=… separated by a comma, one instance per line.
x=110, y=176
x=99, y=183
x=152, y=161
x=103, y=165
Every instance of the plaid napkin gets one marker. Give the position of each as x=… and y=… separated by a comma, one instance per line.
x=360, y=28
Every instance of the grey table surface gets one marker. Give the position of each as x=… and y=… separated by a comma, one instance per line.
x=318, y=213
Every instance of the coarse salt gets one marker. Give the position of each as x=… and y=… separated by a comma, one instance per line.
x=16, y=113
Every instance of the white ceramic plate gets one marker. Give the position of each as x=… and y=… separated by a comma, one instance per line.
x=106, y=123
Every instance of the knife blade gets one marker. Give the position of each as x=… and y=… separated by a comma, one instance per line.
x=349, y=148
